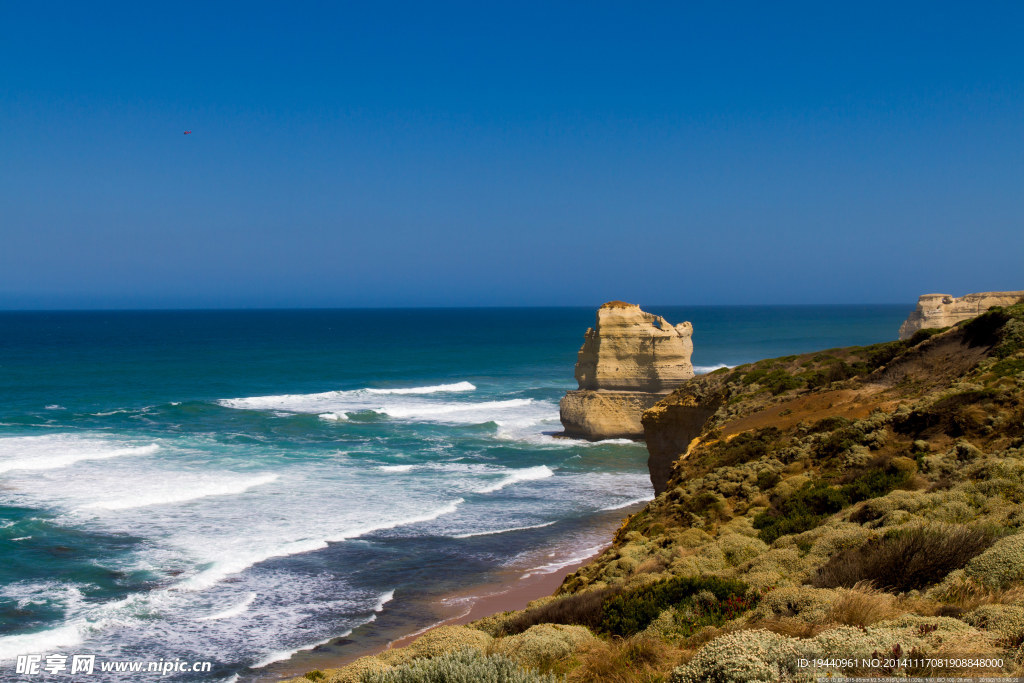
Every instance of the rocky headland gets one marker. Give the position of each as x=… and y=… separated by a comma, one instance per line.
x=842, y=508
x=629, y=361
x=944, y=310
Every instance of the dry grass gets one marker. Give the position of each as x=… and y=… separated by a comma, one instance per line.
x=864, y=605
x=640, y=659
x=794, y=627
x=652, y=565
x=967, y=594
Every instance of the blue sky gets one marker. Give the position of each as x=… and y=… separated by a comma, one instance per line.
x=464, y=154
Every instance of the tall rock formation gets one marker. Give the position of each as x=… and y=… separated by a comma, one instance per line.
x=629, y=360
x=943, y=310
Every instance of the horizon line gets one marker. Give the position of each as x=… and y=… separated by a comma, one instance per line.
x=238, y=309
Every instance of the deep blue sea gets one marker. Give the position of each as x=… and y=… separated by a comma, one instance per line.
x=235, y=486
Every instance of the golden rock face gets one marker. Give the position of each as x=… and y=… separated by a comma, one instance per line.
x=944, y=310
x=629, y=360
x=629, y=349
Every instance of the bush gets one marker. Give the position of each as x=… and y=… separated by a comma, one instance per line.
x=1001, y=565
x=984, y=330
x=809, y=505
x=541, y=645
x=802, y=510
x=583, y=609
x=833, y=372
x=904, y=560
x=745, y=447
x=707, y=601
x=626, y=660
x=464, y=666
x=741, y=657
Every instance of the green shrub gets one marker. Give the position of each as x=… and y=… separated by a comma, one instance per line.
x=779, y=381
x=926, y=333
x=706, y=601
x=745, y=447
x=985, y=329
x=315, y=675
x=904, y=560
x=767, y=479
x=809, y=505
x=1008, y=367
x=880, y=354
x=832, y=372
x=829, y=424
x=802, y=510
x=1000, y=566
x=464, y=666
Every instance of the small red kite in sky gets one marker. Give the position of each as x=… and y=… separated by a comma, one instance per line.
x=188, y=132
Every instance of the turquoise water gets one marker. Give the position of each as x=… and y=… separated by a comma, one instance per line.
x=236, y=486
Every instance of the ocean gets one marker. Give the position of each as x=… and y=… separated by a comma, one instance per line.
x=237, y=486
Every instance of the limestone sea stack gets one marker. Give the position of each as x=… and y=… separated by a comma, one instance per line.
x=943, y=310
x=629, y=360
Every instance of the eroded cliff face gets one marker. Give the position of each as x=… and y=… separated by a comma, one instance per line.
x=944, y=310
x=629, y=360
x=629, y=349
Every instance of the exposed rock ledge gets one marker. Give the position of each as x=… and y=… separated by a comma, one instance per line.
x=629, y=360
x=944, y=310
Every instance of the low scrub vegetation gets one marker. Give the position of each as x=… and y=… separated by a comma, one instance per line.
x=465, y=666
x=809, y=505
x=705, y=601
x=583, y=609
x=905, y=560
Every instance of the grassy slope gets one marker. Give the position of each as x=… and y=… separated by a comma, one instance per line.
x=852, y=502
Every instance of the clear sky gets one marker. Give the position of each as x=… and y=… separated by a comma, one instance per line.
x=520, y=153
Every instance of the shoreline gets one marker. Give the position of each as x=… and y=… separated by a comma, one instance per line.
x=510, y=589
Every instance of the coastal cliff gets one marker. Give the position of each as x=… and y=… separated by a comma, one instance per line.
x=943, y=310
x=629, y=360
x=847, y=505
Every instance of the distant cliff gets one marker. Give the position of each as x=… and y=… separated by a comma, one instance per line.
x=629, y=360
x=943, y=310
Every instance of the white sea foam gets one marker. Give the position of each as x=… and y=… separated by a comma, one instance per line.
x=333, y=401
x=50, y=640
x=21, y=538
x=458, y=386
x=705, y=369
x=281, y=655
x=55, y=406
x=53, y=451
x=456, y=412
x=576, y=557
x=502, y=531
x=626, y=504
x=384, y=599
x=233, y=611
x=395, y=468
x=526, y=474
x=333, y=417
x=237, y=559
x=184, y=491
